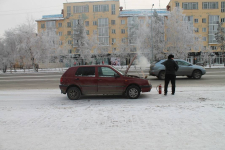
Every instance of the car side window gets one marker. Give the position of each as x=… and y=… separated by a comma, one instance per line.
x=182, y=63
x=85, y=72
x=106, y=72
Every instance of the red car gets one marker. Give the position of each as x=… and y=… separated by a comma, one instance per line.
x=101, y=79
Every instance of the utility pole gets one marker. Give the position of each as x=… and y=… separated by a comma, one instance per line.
x=151, y=33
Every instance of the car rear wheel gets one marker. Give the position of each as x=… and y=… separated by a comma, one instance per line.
x=73, y=93
x=161, y=75
x=133, y=92
x=197, y=74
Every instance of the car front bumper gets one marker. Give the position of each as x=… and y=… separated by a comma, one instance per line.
x=146, y=88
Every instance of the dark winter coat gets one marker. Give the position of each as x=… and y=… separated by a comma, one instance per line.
x=171, y=66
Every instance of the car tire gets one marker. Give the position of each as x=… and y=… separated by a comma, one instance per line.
x=73, y=93
x=161, y=75
x=189, y=77
x=133, y=92
x=197, y=74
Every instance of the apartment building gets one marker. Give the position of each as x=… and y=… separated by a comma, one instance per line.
x=205, y=16
x=105, y=18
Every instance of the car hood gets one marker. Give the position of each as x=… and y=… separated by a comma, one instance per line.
x=132, y=76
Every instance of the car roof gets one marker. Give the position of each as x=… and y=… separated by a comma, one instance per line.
x=91, y=66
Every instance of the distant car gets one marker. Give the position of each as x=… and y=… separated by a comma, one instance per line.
x=185, y=69
x=101, y=79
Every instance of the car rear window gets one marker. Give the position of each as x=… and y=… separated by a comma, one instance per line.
x=85, y=71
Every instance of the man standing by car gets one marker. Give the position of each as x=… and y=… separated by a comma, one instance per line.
x=171, y=67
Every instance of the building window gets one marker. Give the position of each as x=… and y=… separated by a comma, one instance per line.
x=86, y=23
x=68, y=32
x=203, y=20
x=80, y=9
x=209, y=5
x=133, y=49
x=87, y=32
x=103, y=31
x=60, y=33
x=70, y=42
x=113, y=22
x=203, y=29
x=69, y=51
x=213, y=47
x=113, y=31
x=68, y=24
x=68, y=11
x=123, y=40
x=196, y=30
x=100, y=8
x=204, y=38
x=177, y=4
x=141, y=21
x=94, y=23
x=190, y=6
x=113, y=50
x=50, y=24
x=222, y=20
x=122, y=21
x=43, y=25
x=123, y=31
x=196, y=20
x=222, y=6
x=113, y=7
x=60, y=43
x=59, y=24
x=113, y=41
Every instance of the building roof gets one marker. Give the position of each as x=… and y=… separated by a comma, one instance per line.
x=142, y=12
x=51, y=17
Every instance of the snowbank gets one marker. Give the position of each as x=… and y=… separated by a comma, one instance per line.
x=45, y=119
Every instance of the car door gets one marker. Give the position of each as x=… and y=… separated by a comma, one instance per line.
x=184, y=68
x=86, y=79
x=109, y=81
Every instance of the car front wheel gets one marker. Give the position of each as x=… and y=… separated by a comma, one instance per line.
x=197, y=74
x=133, y=92
x=73, y=93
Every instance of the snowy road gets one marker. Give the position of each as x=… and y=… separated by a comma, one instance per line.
x=45, y=119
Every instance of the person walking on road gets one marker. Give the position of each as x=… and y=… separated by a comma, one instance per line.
x=171, y=67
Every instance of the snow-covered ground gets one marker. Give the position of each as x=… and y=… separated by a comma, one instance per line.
x=193, y=119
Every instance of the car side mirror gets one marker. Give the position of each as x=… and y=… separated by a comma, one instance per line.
x=116, y=75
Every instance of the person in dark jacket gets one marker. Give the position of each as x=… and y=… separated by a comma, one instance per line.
x=171, y=67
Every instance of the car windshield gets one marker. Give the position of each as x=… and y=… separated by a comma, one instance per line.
x=117, y=70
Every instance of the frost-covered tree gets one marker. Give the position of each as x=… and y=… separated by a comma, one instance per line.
x=8, y=50
x=146, y=36
x=26, y=44
x=81, y=40
x=180, y=36
x=220, y=38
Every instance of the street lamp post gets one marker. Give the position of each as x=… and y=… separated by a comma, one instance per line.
x=151, y=34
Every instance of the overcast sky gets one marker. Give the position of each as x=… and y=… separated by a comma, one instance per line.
x=16, y=12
